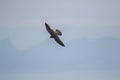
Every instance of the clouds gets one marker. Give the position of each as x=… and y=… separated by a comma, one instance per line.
x=23, y=37
x=87, y=22
x=90, y=28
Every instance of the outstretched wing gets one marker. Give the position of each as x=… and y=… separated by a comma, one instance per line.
x=53, y=35
x=58, y=41
x=49, y=29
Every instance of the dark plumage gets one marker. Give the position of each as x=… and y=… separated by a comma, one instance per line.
x=54, y=34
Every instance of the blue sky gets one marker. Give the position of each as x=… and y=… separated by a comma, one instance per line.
x=90, y=30
x=90, y=19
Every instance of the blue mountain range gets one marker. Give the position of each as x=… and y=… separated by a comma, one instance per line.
x=81, y=54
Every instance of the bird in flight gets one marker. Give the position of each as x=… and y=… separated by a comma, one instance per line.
x=54, y=34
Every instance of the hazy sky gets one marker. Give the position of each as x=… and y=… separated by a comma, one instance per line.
x=90, y=30
x=22, y=22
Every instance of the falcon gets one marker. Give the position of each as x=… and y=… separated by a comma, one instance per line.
x=55, y=34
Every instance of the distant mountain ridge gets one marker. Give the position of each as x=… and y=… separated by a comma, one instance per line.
x=102, y=53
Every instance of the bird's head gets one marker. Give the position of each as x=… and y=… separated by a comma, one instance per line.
x=58, y=32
